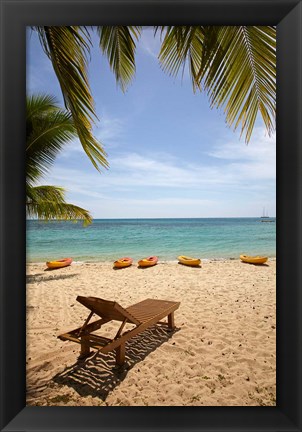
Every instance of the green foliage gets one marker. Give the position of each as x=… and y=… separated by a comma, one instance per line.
x=48, y=129
x=235, y=64
x=118, y=44
x=182, y=44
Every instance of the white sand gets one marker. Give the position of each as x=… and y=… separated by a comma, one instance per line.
x=222, y=354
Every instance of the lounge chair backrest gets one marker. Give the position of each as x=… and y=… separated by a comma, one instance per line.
x=107, y=309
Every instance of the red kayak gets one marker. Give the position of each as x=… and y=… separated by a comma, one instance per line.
x=148, y=262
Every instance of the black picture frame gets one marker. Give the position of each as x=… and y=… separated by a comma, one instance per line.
x=16, y=15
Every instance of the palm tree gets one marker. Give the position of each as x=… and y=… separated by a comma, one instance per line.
x=48, y=129
x=235, y=65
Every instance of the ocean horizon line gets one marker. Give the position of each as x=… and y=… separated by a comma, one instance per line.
x=153, y=218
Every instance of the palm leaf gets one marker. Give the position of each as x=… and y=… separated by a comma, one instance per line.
x=239, y=73
x=68, y=48
x=182, y=45
x=48, y=129
x=236, y=65
x=118, y=44
x=39, y=104
x=48, y=203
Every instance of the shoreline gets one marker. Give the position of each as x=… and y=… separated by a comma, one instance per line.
x=175, y=261
x=223, y=352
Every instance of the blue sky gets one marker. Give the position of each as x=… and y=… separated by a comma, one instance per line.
x=170, y=155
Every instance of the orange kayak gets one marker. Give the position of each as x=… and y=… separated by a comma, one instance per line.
x=122, y=262
x=59, y=263
x=148, y=262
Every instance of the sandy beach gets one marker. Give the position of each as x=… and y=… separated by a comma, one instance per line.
x=222, y=353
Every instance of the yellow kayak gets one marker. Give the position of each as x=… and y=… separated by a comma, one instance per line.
x=189, y=261
x=253, y=259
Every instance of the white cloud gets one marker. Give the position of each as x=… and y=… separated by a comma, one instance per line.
x=241, y=167
x=109, y=130
x=260, y=147
x=255, y=161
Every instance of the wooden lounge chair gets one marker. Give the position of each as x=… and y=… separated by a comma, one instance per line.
x=143, y=315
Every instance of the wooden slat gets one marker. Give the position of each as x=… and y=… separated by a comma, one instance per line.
x=70, y=337
x=107, y=309
x=150, y=308
x=129, y=334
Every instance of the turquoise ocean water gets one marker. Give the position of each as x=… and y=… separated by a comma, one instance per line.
x=109, y=239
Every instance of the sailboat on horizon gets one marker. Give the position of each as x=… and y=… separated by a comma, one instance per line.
x=264, y=216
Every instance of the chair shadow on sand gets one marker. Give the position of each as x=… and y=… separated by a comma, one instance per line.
x=40, y=277
x=97, y=376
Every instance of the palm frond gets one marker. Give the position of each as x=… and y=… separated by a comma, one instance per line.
x=182, y=45
x=239, y=73
x=118, y=44
x=68, y=49
x=236, y=65
x=42, y=193
x=39, y=105
x=48, y=203
x=48, y=129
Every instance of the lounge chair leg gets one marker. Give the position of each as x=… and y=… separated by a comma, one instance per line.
x=120, y=354
x=171, y=324
x=85, y=348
